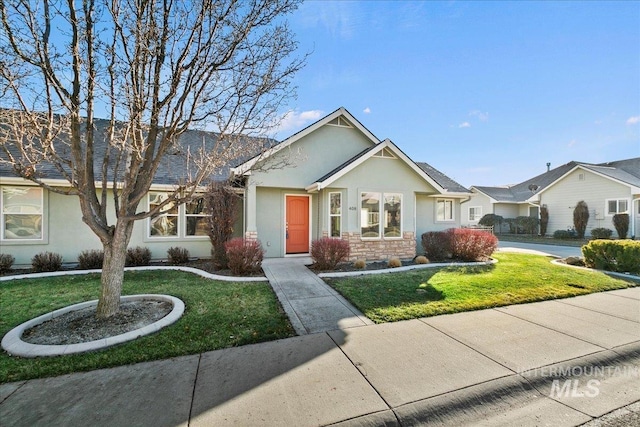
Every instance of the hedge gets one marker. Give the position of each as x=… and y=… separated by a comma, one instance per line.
x=613, y=255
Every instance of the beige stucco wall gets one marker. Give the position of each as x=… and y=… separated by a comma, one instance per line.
x=65, y=233
x=311, y=157
x=426, y=218
x=270, y=218
x=562, y=197
x=477, y=200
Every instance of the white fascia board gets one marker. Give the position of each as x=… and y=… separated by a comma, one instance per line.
x=246, y=166
x=491, y=199
x=98, y=184
x=451, y=195
x=417, y=168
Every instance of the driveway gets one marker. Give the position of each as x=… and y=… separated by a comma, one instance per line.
x=537, y=248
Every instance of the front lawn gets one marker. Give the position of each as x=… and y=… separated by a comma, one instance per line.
x=515, y=279
x=217, y=315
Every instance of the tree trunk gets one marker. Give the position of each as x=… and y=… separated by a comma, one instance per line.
x=115, y=257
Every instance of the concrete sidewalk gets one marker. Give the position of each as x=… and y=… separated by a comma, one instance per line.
x=311, y=305
x=559, y=363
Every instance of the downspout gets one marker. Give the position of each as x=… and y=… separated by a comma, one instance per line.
x=632, y=218
x=320, y=192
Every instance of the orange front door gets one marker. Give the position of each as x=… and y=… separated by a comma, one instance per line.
x=297, y=225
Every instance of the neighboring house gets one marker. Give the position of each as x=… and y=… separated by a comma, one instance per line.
x=333, y=178
x=607, y=188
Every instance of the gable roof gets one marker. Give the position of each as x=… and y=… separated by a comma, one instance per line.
x=450, y=187
x=443, y=180
x=172, y=169
x=246, y=166
x=625, y=171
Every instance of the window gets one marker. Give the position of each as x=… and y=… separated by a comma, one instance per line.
x=335, y=214
x=166, y=224
x=195, y=218
x=21, y=213
x=617, y=206
x=370, y=215
x=392, y=215
x=475, y=213
x=372, y=205
x=444, y=210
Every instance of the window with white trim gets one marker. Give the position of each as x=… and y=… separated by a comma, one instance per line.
x=22, y=212
x=380, y=215
x=444, y=210
x=167, y=223
x=392, y=215
x=475, y=213
x=196, y=222
x=616, y=206
x=335, y=214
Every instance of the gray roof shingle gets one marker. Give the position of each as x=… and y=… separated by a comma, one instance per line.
x=627, y=171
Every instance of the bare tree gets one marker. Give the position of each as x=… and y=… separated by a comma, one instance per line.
x=155, y=68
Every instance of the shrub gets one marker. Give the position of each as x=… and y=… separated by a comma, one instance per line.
x=544, y=220
x=245, y=256
x=328, y=252
x=6, y=261
x=511, y=222
x=394, y=263
x=138, y=256
x=462, y=243
x=421, y=260
x=471, y=245
x=601, y=233
x=491, y=220
x=46, y=261
x=177, y=256
x=527, y=224
x=621, y=223
x=563, y=234
x=613, y=255
x=581, y=218
x=360, y=264
x=91, y=259
x=436, y=245
x=221, y=203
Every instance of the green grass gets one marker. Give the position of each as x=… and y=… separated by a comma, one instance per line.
x=217, y=315
x=515, y=279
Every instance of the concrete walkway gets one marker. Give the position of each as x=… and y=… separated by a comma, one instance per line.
x=561, y=363
x=311, y=304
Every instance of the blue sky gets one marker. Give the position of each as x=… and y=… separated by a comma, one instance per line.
x=487, y=92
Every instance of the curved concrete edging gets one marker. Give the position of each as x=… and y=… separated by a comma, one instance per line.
x=610, y=273
x=161, y=267
x=405, y=268
x=14, y=345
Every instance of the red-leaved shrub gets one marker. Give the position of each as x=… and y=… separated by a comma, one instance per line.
x=245, y=256
x=328, y=252
x=471, y=245
x=459, y=243
x=436, y=245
